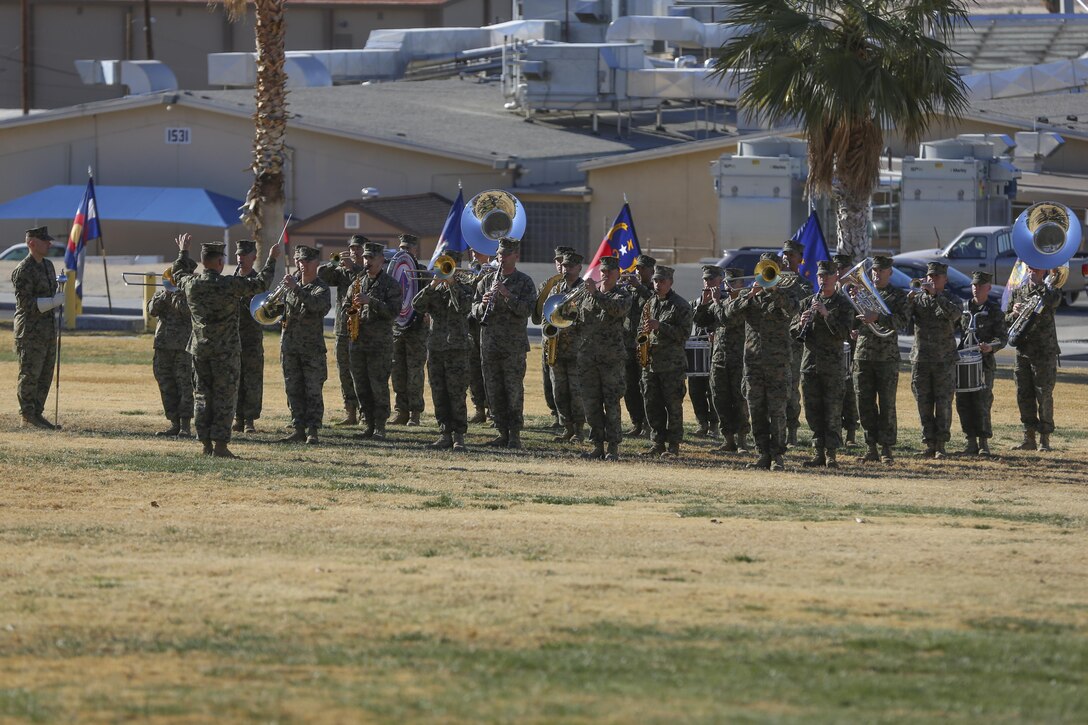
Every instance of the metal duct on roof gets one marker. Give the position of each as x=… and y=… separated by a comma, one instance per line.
x=1027, y=80
x=679, y=84
x=678, y=31
x=239, y=70
x=138, y=76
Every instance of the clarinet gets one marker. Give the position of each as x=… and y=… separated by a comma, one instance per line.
x=484, y=318
x=802, y=334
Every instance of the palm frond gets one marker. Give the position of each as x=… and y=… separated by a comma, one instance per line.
x=235, y=9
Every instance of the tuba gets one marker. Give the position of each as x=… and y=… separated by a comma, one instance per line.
x=1046, y=235
x=488, y=217
x=864, y=296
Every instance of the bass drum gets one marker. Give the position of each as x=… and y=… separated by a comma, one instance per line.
x=969, y=378
x=402, y=268
x=697, y=350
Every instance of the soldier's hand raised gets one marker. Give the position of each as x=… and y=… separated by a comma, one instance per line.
x=183, y=241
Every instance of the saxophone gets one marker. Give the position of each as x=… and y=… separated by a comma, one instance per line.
x=355, y=313
x=644, y=340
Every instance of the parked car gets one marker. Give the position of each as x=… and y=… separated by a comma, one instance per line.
x=745, y=257
x=959, y=284
x=990, y=249
x=18, y=252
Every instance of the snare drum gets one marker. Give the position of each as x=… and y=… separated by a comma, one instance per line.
x=697, y=350
x=969, y=378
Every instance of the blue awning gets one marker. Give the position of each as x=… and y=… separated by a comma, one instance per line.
x=130, y=204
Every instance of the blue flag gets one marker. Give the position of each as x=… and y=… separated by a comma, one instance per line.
x=451, y=239
x=621, y=241
x=84, y=229
x=811, y=237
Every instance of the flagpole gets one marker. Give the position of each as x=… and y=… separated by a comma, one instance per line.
x=102, y=248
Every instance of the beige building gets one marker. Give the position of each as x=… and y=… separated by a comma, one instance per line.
x=184, y=32
x=380, y=220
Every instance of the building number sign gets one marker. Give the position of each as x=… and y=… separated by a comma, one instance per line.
x=179, y=136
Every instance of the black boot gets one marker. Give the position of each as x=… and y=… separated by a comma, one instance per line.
x=972, y=446
x=818, y=460
x=763, y=462
x=352, y=417
x=597, y=453
x=311, y=435
x=500, y=441
x=299, y=436
x=514, y=442
x=480, y=417
x=730, y=445
x=185, y=431
x=239, y=425
x=871, y=454
x=444, y=442
x=673, y=451
x=458, y=441
x=250, y=427
x=831, y=462
x=613, y=452
x=654, y=451
x=207, y=447
x=172, y=431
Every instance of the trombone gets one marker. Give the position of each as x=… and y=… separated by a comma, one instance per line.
x=767, y=274
x=166, y=279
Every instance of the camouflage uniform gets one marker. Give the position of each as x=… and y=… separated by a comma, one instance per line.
x=933, y=364
x=303, y=354
x=974, y=408
x=632, y=396
x=767, y=371
x=504, y=342
x=798, y=291
x=449, y=346
x=371, y=356
x=477, y=389
x=340, y=276
x=251, y=380
x=213, y=301
x=876, y=370
x=549, y=393
x=726, y=366
x=35, y=333
x=1037, y=354
x=843, y=263
x=699, y=390
x=566, y=387
x=601, y=362
x=822, y=367
x=663, y=378
x=172, y=364
x=409, y=359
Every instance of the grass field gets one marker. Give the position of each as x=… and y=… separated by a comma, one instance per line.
x=382, y=582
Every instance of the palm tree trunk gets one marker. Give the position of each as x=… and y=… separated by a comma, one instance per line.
x=854, y=225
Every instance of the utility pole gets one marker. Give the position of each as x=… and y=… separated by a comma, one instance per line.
x=148, y=50
x=25, y=20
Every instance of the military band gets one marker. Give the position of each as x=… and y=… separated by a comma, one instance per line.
x=699, y=388
x=640, y=285
x=1037, y=353
x=562, y=367
x=409, y=353
x=983, y=322
x=339, y=273
x=251, y=338
x=726, y=359
x=666, y=325
x=373, y=301
x=545, y=372
x=172, y=363
x=935, y=317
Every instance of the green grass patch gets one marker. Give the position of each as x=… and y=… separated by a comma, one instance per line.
x=22, y=704
x=575, y=500
x=443, y=501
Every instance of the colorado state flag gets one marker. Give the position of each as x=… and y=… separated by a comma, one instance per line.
x=621, y=241
x=84, y=229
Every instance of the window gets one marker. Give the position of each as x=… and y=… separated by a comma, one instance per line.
x=1004, y=245
x=550, y=224
x=969, y=247
x=351, y=220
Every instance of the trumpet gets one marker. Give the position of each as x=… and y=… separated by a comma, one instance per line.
x=919, y=283
x=767, y=274
x=166, y=280
x=262, y=305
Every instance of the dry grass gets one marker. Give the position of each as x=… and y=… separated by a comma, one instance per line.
x=356, y=582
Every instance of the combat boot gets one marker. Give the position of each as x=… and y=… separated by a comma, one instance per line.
x=352, y=417
x=777, y=464
x=514, y=442
x=730, y=445
x=579, y=434
x=207, y=447
x=220, y=450
x=43, y=423
x=871, y=456
x=763, y=462
x=413, y=419
x=886, y=454
x=458, y=441
x=502, y=440
x=831, y=462
x=172, y=431
x=480, y=416
x=597, y=453
x=791, y=437
x=984, y=447
x=613, y=452
x=299, y=436
x=250, y=427
x=366, y=434
x=818, y=459
x=238, y=425
x=184, y=430
x=311, y=436
x=654, y=451
x=635, y=431
x=673, y=451
x=401, y=419
x=972, y=446
x=1044, y=442
x=703, y=430
x=565, y=436
x=938, y=450
x=931, y=449
x=1028, y=443
x=742, y=443
x=379, y=433
x=444, y=441
x=851, y=437
x=557, y=426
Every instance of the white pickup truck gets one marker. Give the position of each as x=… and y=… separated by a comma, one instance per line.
x=990, y=249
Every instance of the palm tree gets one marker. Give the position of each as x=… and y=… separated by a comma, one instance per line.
x=846, y=70
x=263, y=210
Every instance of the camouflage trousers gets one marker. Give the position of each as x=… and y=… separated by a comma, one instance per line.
x=504, y=376
x=370, y=377
x=793, y=403
x=702, y=401
x=877, y=383
x=37, y=358
x=409, y=359
x=251, y=382
x=849, y=404
x=601, y=393
x=549, y=391
x=933, y=385
x=304, y=375
x=477, y=388
x=1035, y=381
x=764, y=390
x=566, y=387
x=215, y=393
x=174, y=373
x=664, y=396
x=448, y=371
x=632, y=396
x=974, y=408
x=822, y=391
x=343, y=368
x=729, y=403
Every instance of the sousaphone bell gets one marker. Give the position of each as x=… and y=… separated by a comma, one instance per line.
x=488, y=217
x=1046, y=235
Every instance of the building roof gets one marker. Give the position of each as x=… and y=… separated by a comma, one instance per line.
x=419, y=214
x=1026, y=111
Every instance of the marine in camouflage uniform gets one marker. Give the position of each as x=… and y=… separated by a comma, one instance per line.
x=302, y=345
x=447, y=303
x=409, y=354
x=843, y=263
x=172, y=364
x=371, y=356
x=699, y=390
x=669, y=325
x=546, y=376
x=983, y=321
x=503, y=301
x=823, y=323
x=641, y=289
x=602, y=358
x=726, y=362
x=339, y=274
x=935, y=315
x=251, y=337
x=476, y=388
x=798, y=288
x=766, y=313
x=1037, y=354
x=876, y=365
x=214, y=303
x=563, y=371
x=36, y=299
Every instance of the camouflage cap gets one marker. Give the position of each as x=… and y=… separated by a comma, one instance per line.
x=844, y=261
x=733, y=272
x=645, y=260
x=306, y=254
x=936, y=268
x=982, y=278
x=407, y=240
x=246, y=246
x=509, y=245
x=609, y=263
x=41, y=233
x=560, y=251
x=791, y=247
x=572, y=258
x=881, y=261
x=769, y=257
x=712, y=271
x=358, y=240
x=826, y=266
x=213, y=249
x=373, y=249
x=663, y=272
